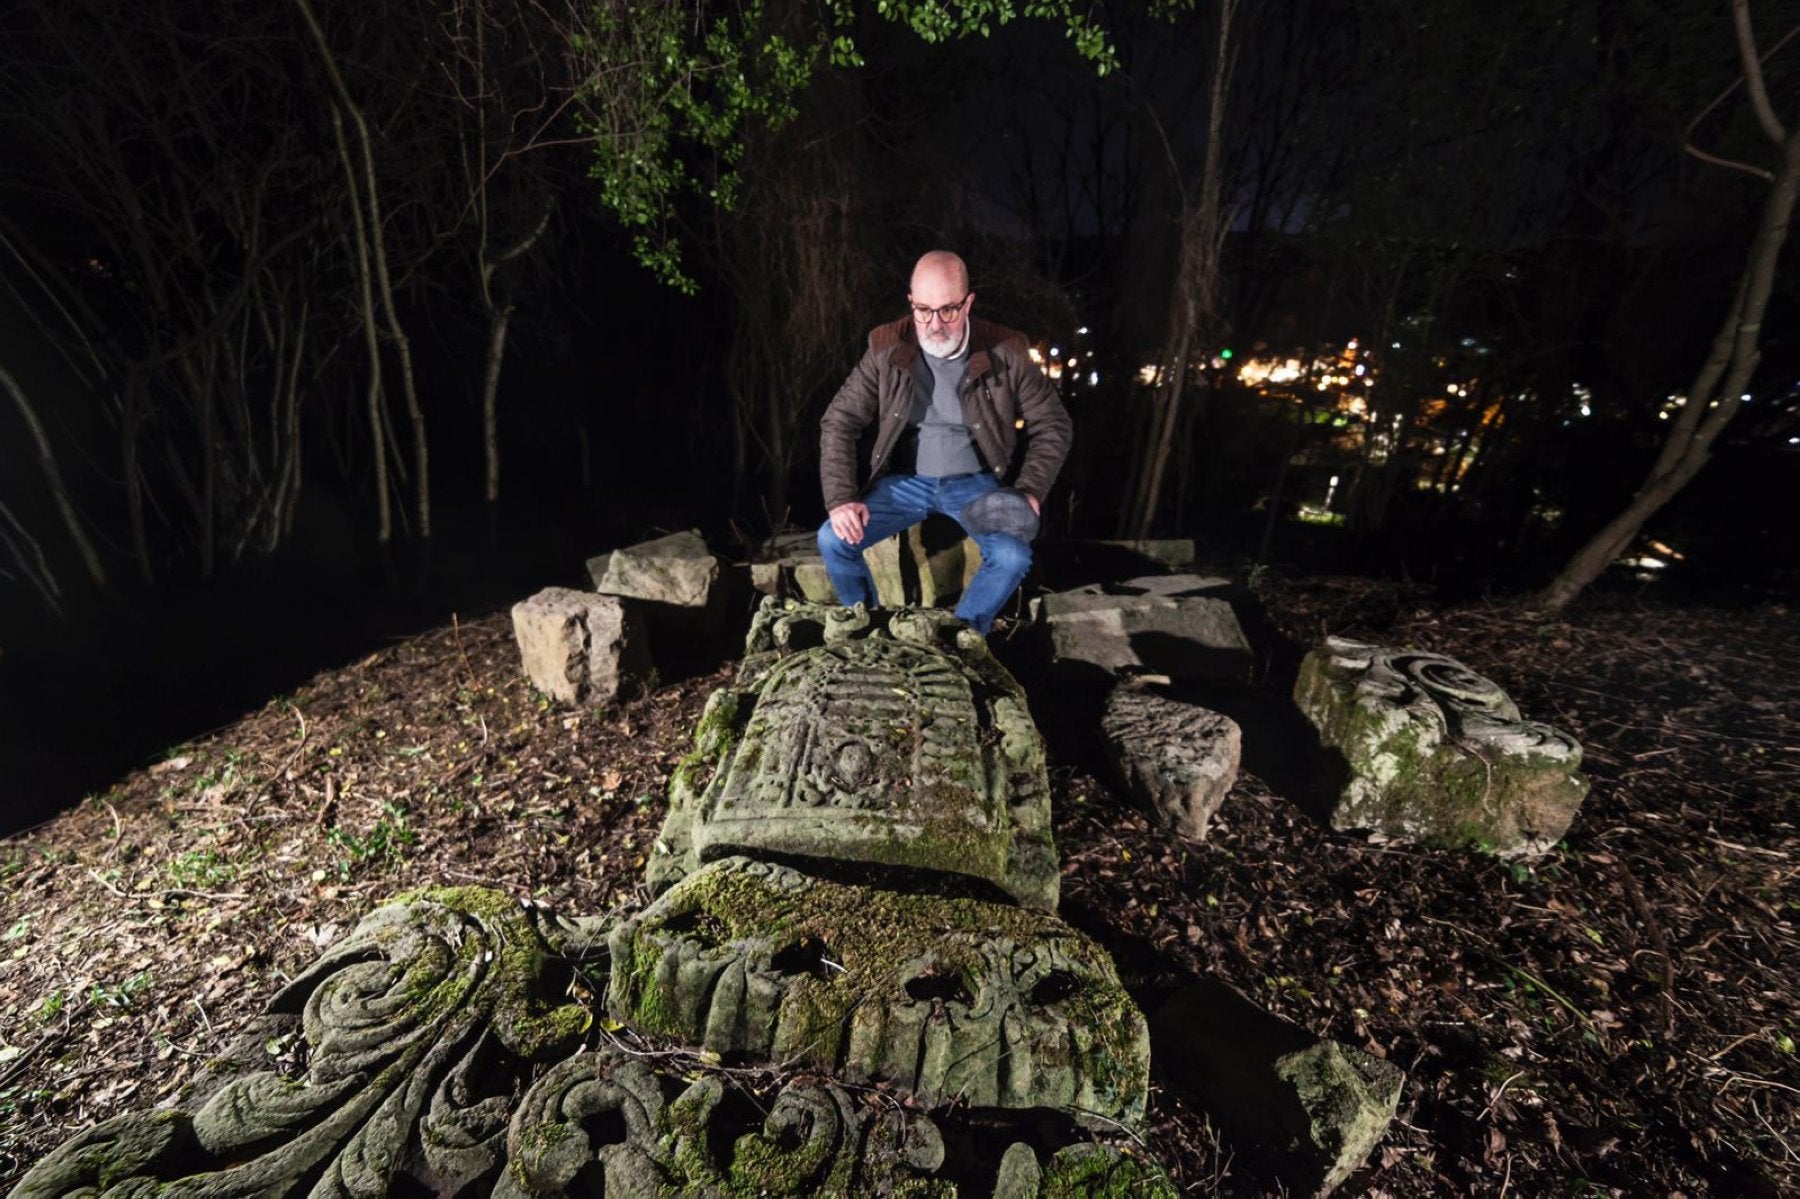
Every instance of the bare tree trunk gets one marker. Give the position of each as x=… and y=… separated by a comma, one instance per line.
x=131, y=416
x=1716, y=393
x=59, y=491
x=1194, y=303
x=371, y=340
x=373, y=233
x=490, y=397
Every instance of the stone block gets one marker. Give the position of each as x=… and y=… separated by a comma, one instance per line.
x=1416, y=747
x=1312, y=1109
x=951, y=1000
x=1181, y=626
x=578, y=647
x=1179, y=758
x=890, y=739
x=677, y=570
x=812, y=583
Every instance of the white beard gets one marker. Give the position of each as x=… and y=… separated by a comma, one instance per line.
x=937, y=342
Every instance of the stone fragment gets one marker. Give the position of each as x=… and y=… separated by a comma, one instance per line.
x=1180, y=626
x=1179, y=758
x=677, y=570
x=952, y=1000
x=441, y=1053
x=440, y=997
x=1419, y=748
x=888, y=739
x=578, y=647
x=1314, y=1109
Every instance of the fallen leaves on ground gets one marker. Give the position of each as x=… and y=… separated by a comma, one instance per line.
x=1619, y=1015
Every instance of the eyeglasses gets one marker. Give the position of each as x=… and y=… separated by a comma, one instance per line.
x=923, y=313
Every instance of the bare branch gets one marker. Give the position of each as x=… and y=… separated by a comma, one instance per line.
x=1753, y=76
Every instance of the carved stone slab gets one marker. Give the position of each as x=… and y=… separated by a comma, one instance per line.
x=608, y=1122
x=1182, y=626
x=953, y=1000
x=409, y=1043
x=1179, y=758
x=446, y=1047
x=1420, y=748
x=889, y=739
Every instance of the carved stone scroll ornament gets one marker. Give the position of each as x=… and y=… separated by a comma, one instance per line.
x=616, y=1123
x=952, y=1000
x=887, y=739
x=1427, y=750
x=415, y=1035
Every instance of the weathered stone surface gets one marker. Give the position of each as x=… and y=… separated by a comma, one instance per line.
x=678, y=570
x=1182, y=626
x=890, y=739
x=423, y=1044
x=953, y=1000
x=429, y=1004
x=812, y=583
x=1420, y=748
x=578, y=647
x=1314, y=1108
x=1179, y=758
x=607, y=1121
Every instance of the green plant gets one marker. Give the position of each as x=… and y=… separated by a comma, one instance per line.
x=383, y=844
x=201, y=869
x=119, y=995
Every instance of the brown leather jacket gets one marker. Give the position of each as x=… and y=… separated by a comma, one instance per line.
x=1006, y=399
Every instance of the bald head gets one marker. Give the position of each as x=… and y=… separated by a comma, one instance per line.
x=941, y=300
x=940, y=271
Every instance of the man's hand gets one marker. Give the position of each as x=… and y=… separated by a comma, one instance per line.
x=848, y=521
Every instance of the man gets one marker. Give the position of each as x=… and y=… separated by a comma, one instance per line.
x=958, y=410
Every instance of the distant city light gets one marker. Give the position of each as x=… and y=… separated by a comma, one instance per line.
x=1093, y=378
x=1081, y=332
x=1227, y=353
x=1055, y=352
x=1396, y=345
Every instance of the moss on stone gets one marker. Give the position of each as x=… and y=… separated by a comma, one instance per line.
x=1102, y=1172
x=509, y=990
x=875, y=937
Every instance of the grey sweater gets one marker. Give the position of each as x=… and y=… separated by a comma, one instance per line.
x=944, y=444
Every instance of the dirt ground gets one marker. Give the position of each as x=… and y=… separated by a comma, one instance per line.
x=1618, y=1016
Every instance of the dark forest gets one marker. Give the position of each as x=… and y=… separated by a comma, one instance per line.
x=319, y=320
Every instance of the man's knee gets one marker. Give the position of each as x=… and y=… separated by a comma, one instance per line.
x=831, y=545
x=1007, y=554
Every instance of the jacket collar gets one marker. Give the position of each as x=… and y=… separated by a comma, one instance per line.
x=980, y=338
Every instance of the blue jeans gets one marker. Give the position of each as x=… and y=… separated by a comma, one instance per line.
x=899, y=502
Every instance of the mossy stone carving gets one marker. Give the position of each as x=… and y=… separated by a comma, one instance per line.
x=953, y=1000
x=418, y=1030
x=888, y=739
x=1419, y=748
x=610, y=1122
x=446, y=1046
